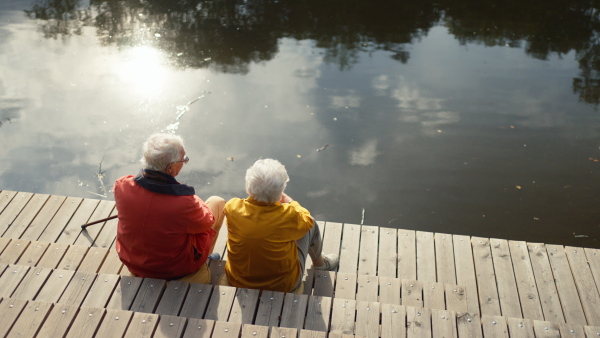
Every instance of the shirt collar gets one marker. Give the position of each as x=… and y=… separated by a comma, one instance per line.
x=257, y=202
x=159, y=182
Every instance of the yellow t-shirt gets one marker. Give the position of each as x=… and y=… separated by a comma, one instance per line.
x=261, y=246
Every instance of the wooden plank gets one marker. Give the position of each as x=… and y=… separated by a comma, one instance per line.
x=55, y=286
x=283, y=332
x=78, y=288
x=220, y=303
x=444, y=258
x=443, y=323
x=13, y=251
x=367, y=319
x=71, y=231
x=33, y=253
x=199, y=328
x=520, y=328
x=586, y=287
x=544, y=278
x=73, y=257
x=465, y=270
x=59, y=320
x=10, y=310
x=3, y=244
x=244, y=306
x=349, y=248
x=593, y=258
x=196, y=301
x=60, y=219
x=505, y=279
x=545, y=329
x=368, y=288
x=309, y=280
x=412, y=293
x=565, y=284
x=456, y=298
x=11, y=278
x=433, y=295
x=217, y=269
x=388, y=253
x=393, y=321
x=173, y=298
x=30, y=320
x=142, y=325
x=54, y=254
x=425, y=257
x=525, y=278
x=571, y=330
x=148, y=295
x=226, y=330
x=254, y=331
x=88, y=236
x=5, y=198
x=269, y=308
x=32, y=283
x=345, y=285
x=389, y=290
x=43, y=218
x=107, y=234
x=332, y=233
x=170, y=327
x=312, y=334
x=324, y=283
x=294, y=310
x=494, y=326
x=115, y=323
x=486, y=277
x=418, y=322
x=317, y=315
x=369, y=245
x=592, y=331
x=27, y=214
x=101, y=291
x=342, y=316
x=407, y=254
x=93, y=259
x=221, y=242
x=13, y=209
x=112, y=264
x=86, y=322
x=468, y=325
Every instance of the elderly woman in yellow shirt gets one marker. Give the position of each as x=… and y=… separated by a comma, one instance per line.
x=270, y=234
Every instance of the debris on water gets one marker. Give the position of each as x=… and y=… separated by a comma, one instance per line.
x=335, y=118
x=518, y=187
x=594, y=159
x=362, y=219
x=230, y=159
x=439, y=130
x=181, y=109
x=536, y=218
x=323, y=147
x=581, y=236
x=299, y=156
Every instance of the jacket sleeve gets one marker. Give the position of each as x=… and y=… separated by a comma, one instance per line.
x=199, y=217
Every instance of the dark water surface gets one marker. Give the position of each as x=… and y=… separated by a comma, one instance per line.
x=466, y=117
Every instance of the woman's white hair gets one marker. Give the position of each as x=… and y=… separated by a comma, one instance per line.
x=266, y=180
x=160, y=150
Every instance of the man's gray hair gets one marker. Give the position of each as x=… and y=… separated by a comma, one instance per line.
x=266, y=180
x=160, y=150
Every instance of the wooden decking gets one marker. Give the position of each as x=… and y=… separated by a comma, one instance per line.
x=56, y=280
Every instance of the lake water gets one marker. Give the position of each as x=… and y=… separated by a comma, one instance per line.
x=451, y=116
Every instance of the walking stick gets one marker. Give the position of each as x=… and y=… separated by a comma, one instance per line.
x=98, y=221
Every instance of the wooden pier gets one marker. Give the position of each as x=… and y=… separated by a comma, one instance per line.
x=59, y=281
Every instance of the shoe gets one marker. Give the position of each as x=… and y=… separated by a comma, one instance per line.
x=331, y=262
x=214, y=256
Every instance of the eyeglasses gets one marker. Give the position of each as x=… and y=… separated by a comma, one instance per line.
x=186, y=159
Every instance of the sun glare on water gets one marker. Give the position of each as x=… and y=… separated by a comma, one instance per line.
x=142, y=67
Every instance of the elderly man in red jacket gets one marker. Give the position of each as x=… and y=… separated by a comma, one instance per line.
x=165, y=231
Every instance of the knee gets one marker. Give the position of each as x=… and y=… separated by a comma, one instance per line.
x=216, y=200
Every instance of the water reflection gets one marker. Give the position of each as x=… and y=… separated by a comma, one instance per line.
x=425, y=115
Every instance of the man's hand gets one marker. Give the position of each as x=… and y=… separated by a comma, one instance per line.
x=285, y=198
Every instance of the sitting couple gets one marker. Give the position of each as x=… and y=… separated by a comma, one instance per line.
x=166, y=231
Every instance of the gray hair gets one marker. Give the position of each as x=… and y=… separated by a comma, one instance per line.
x=266, y=180
x=160, y=150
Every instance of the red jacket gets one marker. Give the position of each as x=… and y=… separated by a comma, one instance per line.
x=165, y=234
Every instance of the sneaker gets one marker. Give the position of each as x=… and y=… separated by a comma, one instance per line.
x=214, y=256
x=331, y=262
